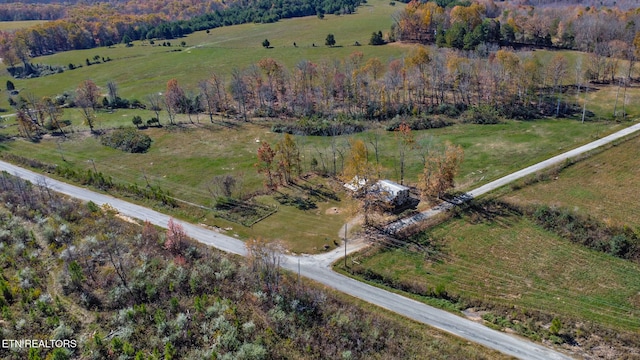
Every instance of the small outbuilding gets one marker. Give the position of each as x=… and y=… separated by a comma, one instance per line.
x=394, y=193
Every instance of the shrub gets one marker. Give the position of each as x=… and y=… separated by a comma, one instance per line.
x=587, y=231
x=127, y=139
x=450, y=110
x=420, y=123
x=316, y=126
x=376, y=39
x=481, y=114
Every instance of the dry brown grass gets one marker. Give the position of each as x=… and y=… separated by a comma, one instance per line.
x=604, y=186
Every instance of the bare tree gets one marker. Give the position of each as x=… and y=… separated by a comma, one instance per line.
x=54, y=113
x=406, y=140
x=87, y=99
x=155, y=103
x=209, y=99
x=112, y=89
x=374, y=138
x=240, y=91
x=558, y=67
x=265, y=259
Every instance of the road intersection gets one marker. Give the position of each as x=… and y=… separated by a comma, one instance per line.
x=318, y=267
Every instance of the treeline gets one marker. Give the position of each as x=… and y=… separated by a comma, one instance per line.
x=88, y=27
x=479, y=24
x=430, y=86
x=330, y=94
x=18, y=11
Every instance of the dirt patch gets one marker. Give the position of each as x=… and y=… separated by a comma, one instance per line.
x=333, y=211
x=127, y=219
x=474, y=315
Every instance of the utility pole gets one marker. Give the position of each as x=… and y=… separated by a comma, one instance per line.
x=60, y=150
x=345, y=246
x=145, y=178
x=298, y=272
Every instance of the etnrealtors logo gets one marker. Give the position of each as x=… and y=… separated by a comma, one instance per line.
x=38, y=343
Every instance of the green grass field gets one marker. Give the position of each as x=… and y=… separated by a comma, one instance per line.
x=15, y=25
x=184, y=161
x=603, y=186
x=512, y=261
x=143, y=69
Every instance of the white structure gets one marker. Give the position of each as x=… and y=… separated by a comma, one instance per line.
x=355, y=184
x=393, y=192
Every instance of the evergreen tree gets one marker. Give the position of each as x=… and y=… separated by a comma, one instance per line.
x=330, y=41
x=376, y=39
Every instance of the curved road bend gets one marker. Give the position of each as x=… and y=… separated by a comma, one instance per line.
x=318, y=267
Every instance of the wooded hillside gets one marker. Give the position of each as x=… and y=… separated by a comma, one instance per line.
x=75, y=271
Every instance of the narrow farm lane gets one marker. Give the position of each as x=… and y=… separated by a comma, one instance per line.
x=318, y=267
x=394, y=227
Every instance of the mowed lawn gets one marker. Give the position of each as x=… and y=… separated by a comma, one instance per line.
x=15, y=25
x=511, y=261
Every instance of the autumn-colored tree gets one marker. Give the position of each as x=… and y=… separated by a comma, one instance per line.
x=7, y=50
x=264, y=165
x=374, y=67
x=406, y=140
x=361, y=175
x=288, y=157
x=275, y=78
x=176, y=237
x=357, y=166
x=149, y=234
x=25, y=125
x=173, y=98
x=440, y=170
x=471, y=15
x=420, y=62
x=86, y=98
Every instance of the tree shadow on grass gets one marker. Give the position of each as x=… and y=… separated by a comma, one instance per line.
x=297, y=201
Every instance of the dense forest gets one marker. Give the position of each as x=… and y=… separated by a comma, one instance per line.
x=84, y=27
x=481, y=23
x=115, y=289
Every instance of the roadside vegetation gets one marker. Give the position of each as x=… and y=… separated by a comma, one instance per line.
x=120, y=289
